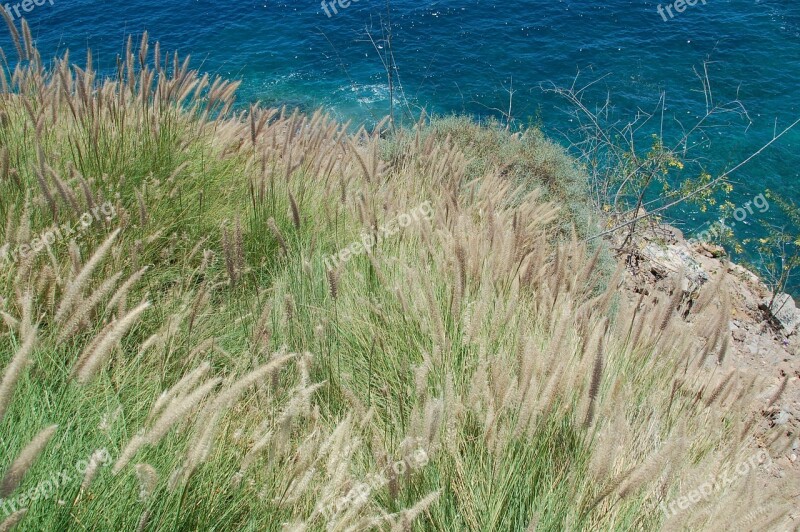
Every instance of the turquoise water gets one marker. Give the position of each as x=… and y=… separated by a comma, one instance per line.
x=462, y=56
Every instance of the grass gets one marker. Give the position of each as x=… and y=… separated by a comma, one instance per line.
x=465, y=372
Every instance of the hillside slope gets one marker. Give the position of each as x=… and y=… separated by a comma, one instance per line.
x=265, y=320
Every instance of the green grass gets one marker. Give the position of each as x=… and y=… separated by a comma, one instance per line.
x=429, y=342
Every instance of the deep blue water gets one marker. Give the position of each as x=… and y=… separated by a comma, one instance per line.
x=461, y=56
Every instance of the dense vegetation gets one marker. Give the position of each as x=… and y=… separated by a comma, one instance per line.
x=265, y=320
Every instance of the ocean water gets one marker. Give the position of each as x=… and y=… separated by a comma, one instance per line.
x=463, y=56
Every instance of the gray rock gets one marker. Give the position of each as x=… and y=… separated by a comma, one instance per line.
x=675, y=258
x=784, y=311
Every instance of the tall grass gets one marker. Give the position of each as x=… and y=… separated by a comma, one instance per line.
x=198, y=339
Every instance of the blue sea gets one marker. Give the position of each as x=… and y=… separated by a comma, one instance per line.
x=465, y=57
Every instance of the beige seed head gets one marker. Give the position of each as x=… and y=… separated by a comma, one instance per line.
x=13, y=520
x=148, y=480
x=73, y=292
x=14, y=370
x=14, y=475
x=91, y=360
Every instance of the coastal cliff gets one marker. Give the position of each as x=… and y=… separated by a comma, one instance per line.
x=226, y=318
x=761, y=332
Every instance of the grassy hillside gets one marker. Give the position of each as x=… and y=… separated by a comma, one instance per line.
x=266, y=321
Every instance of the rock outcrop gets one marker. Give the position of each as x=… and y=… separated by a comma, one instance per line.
x=764, y=328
